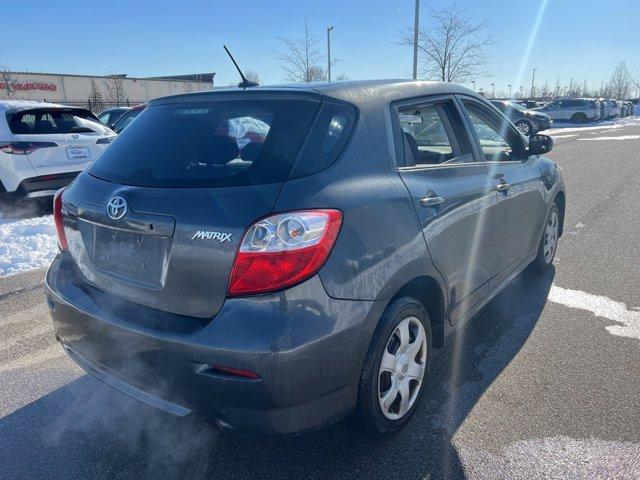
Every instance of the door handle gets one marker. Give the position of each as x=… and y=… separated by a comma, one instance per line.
x=502, y=186
x=431, y=200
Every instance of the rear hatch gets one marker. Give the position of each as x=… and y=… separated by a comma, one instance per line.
x=157, y=219
x=62, y=139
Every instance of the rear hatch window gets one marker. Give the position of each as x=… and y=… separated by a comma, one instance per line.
x=50, y=121
x=209, y=144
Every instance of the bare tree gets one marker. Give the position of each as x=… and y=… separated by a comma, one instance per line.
x=620, y=82
x=252, y=76
x=115, y=89
x=95, y=95
x=453, y=47
x=301, y=58
x=342, y=77
x=7, y=80
x=188, y=86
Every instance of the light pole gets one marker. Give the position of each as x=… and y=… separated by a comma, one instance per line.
x=416, y=25
x=521, y=91
x=329, y=28
x=474, y=85
x=509, y=90
x=493, y=90
x=533, y=79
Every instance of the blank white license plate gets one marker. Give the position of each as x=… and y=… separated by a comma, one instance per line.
x=78, y=153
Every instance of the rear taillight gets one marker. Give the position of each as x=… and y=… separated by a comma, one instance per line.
x=22, y=148
x=57, y=217
x=283, y=250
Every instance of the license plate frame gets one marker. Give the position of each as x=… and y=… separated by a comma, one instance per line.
x=78, y=153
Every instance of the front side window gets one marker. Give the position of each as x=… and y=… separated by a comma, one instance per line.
x=125, y=120
x=497, y=141
x=429, y=136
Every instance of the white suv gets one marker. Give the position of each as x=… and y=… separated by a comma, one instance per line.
x=43, y=147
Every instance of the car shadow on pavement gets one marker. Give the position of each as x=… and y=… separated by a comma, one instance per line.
x=86, y=430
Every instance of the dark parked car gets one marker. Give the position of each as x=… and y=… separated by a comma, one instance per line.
x=109, y=117
x=127, y=117
x=527, y=121
x=276, y=259
x=529, y=103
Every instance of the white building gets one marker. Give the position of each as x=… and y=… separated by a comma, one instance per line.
x=64, y=88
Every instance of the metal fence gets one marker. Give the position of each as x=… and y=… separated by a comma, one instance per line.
x=99, y=106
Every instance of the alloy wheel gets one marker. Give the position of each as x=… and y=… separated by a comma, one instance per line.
x=524, y=128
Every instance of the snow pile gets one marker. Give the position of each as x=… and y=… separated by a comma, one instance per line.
x=26, y=244
x=566, y=127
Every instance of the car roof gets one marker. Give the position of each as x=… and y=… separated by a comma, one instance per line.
x=12, y=106
x=382, y=91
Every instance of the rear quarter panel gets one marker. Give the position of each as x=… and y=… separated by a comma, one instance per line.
x=380, y=246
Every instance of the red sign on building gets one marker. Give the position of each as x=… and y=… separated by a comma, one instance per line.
x=51, y=87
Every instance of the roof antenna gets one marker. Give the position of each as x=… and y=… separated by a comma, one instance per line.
x=244, y=83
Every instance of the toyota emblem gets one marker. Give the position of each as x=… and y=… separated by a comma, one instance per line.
x=117, y=208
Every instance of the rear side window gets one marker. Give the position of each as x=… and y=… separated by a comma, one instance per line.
x=49, y=121
x=327, y=139
x=218, y=143
x=429, y=134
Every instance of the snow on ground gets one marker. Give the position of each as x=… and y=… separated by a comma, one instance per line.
x=560, y=128
x=26, y=244
x=620, y=137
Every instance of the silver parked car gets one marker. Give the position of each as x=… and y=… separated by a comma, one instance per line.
x=614, y=108
x=576, y=110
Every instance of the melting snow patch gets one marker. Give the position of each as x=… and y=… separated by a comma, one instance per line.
x=600, y=306
x=26, y=244
x=621, y=137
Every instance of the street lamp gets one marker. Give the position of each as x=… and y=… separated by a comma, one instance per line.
x=509, y=90
x=416, y=25
x=493, y=90
x=533, y=79
x=474, y=85
x=329, y=28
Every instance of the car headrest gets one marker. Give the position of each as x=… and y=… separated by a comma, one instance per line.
x=411, y=151
x=251, y=151
x=219, y=149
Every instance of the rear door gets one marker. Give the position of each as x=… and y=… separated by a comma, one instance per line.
x=158, y=218
x=73, y=145
x=453, y=198
x=516, y=178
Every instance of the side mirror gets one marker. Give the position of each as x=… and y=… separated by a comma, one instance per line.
x=540, y=144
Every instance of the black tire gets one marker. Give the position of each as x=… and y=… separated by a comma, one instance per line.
x=579, y=118
x=369, y=413
x=525, y=127
x=543, y=261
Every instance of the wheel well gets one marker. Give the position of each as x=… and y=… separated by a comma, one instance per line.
x=559, y=200
x=427, y=291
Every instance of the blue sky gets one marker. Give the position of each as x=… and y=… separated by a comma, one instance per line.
x=580, y=38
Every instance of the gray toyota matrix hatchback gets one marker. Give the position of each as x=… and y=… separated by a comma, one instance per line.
x=277, y=258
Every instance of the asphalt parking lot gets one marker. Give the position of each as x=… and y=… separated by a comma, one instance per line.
x=545, y=383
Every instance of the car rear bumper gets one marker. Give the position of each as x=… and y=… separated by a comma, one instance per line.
x=42, y=186
x=306, y=347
